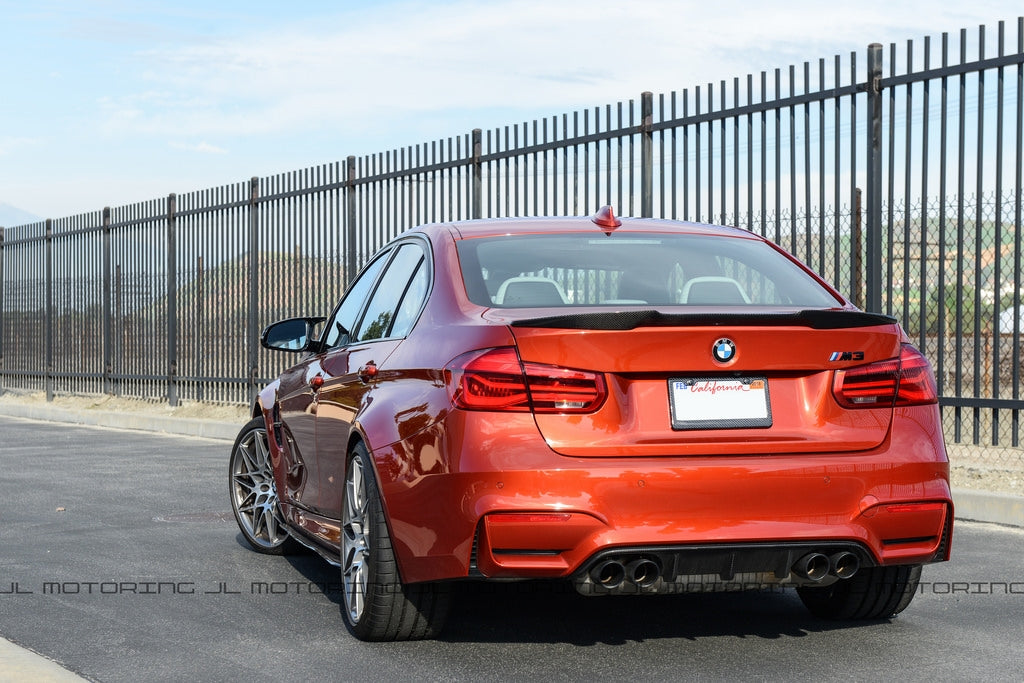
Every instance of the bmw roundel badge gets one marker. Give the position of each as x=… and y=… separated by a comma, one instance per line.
x=724, y=350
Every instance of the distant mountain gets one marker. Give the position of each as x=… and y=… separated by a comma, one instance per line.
x=12, y=215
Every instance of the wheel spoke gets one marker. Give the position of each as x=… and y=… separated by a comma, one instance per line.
x=355, y=586
x=262, y=454
x=248, y=459
x=246, y=485
x=270, y=520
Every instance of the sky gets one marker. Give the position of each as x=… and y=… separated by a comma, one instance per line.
x=112, y=102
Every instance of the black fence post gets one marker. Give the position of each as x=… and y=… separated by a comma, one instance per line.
x=873, y=224
x=119, y=316
x=108, y=314
x=857, y=247
x=3, y=257
x=172, y=300
x=252, y=321
x=48, y=381
x=199, y=325
x=351, y=256
x=477, y=190
x=646, y=155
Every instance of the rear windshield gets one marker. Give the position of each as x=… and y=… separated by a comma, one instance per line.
x=541, y=271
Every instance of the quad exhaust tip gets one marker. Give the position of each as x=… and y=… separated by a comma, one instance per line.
x=643, y=573
x=608, y=574
x=812, y=566
x=611, y=574
x=816, y=566
x=844, y=564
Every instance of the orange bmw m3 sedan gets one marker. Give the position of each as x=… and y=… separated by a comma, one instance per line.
x=629, y=405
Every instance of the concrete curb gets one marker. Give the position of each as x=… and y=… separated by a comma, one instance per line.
x=20, y=664
x=989, y=506
x=184, y=426
x=977, y=506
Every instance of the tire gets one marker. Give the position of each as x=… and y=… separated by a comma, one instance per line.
x=376, y=604
x=254, y=495
x=872, y=593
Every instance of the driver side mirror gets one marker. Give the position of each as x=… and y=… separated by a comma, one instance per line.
x=293, y=334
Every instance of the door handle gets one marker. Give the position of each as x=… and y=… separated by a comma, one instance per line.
x=368, y=371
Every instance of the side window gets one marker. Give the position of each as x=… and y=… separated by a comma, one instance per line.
x=384, y=304
x=339, y=331
x=412, y=301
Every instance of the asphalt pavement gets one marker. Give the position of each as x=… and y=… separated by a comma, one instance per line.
x=120, y=561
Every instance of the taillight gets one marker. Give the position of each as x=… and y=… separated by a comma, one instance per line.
x=495, y=380
x=903, y=381
x=917, y=381
x=492, y=380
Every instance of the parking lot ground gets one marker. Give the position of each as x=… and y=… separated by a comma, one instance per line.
x=119, y=560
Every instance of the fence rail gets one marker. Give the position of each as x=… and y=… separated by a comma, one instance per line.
x=902, y=188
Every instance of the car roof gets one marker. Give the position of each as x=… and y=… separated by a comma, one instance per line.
x=494, y=227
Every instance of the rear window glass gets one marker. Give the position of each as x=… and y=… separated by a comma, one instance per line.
x=542, y=271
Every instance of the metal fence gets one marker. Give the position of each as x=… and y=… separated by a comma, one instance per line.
x=903, y=188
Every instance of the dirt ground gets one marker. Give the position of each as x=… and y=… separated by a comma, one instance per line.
x=987, y=469
x=971, y=467
x=228, y=412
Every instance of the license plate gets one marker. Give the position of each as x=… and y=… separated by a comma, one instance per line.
x=719, y=402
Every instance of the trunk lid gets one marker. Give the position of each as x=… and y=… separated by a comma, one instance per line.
x=782, y=363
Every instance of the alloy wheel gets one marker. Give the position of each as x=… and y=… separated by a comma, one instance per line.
x=355, y=542
x=253, y=493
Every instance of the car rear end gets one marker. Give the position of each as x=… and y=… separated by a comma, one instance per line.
x=680, y=406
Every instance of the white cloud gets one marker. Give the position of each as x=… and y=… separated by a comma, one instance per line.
x=130, y=100
x=524, y=54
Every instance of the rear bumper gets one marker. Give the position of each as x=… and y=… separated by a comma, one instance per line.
x=496, y=501
x=515, y=544
x=501, y=551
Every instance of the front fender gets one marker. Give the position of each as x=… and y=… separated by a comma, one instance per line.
x=265, y=400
